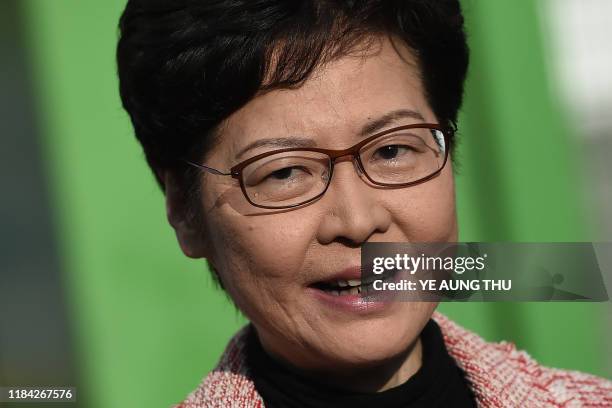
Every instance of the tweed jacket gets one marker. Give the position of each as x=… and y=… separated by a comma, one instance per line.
x=499, y=375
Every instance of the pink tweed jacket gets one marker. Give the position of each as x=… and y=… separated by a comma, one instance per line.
x=500, y=375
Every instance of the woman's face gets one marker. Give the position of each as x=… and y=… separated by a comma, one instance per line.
x=269, y=260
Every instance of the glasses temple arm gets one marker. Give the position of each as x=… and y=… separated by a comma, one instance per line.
x=208, y=169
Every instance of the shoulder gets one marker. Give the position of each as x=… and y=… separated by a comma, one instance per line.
x=228, y=384
x=503, y=376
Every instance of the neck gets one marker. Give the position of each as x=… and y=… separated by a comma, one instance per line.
x=373, y=378
x=383, y=376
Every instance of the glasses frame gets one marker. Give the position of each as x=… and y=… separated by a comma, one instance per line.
x=353, y=151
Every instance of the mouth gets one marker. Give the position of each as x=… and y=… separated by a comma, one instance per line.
x=356, y=286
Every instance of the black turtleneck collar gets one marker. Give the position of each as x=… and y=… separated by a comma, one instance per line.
x=438, y=383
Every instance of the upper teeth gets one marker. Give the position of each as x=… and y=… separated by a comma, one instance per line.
x=350, y=282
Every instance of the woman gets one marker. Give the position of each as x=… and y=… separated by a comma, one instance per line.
x=285, y=135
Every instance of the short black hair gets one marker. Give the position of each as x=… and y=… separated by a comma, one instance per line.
x=186, y=65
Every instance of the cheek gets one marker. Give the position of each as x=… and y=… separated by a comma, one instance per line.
x=427, y=211
x=260, y=256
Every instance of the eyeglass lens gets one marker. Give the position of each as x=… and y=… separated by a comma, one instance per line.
x=295, y=177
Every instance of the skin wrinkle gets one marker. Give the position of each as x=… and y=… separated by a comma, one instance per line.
x=267, y=258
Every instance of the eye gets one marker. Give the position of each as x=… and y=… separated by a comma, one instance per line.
x=286, y=173
x=392, y=151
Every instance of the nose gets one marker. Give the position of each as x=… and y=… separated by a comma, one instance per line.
x=353, y=208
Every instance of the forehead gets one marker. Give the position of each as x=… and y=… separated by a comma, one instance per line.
x=331, y=107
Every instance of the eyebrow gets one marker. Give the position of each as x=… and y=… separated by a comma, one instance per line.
x=367, y=129
x=278, y=142
x=387, y=119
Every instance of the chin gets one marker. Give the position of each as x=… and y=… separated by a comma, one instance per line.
x=372, y=341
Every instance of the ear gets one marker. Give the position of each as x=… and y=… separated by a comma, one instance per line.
x=190, y=237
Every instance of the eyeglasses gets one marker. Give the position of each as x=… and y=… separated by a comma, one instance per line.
x=286, y=178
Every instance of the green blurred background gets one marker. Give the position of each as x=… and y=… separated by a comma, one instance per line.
x=94, y=291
